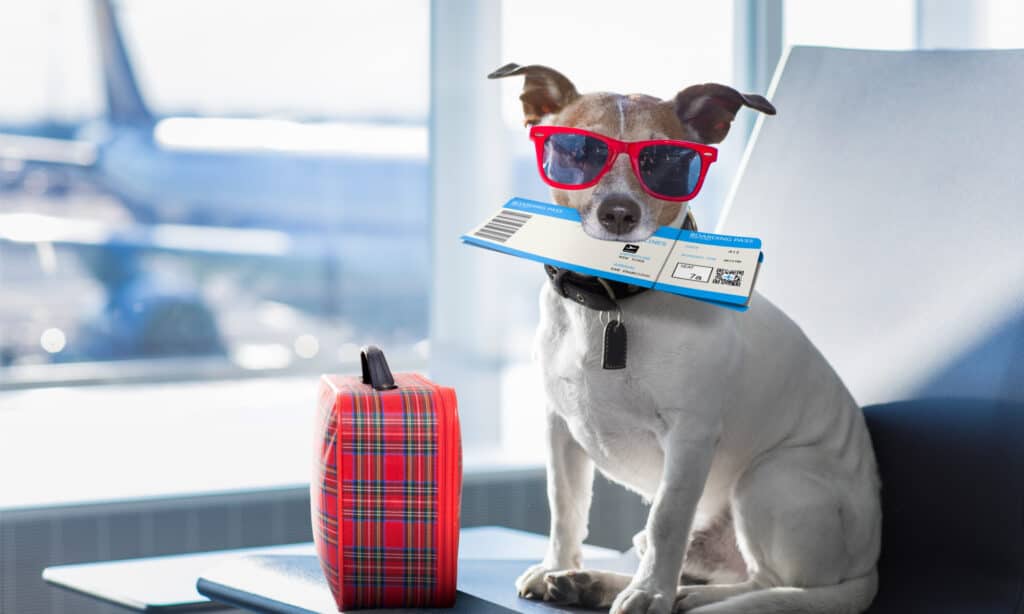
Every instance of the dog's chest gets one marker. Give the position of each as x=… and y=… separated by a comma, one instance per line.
x=610, y=415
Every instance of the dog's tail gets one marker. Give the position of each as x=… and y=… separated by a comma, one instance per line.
x=849, y=597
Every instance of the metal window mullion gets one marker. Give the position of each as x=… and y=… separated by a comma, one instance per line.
x=757, y=46
x=949, y=24
x=469, y=177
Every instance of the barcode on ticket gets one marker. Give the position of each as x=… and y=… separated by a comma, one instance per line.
x=728, y=277
x=503, y=226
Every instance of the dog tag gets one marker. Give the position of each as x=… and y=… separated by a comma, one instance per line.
x=614, y=351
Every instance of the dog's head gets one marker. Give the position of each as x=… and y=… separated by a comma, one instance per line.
x=617, y=207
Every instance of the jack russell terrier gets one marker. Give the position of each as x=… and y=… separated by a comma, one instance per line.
x=755, y=457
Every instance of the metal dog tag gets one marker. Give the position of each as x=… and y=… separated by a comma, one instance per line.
x=614, y=351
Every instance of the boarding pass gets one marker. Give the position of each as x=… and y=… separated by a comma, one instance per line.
x=720, y=269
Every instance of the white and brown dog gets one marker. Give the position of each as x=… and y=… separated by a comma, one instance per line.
x=756, y=459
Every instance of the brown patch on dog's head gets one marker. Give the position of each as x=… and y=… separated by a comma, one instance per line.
x=701, y=113
x=545, y=90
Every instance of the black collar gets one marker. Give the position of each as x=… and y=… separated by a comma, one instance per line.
x=591, y=292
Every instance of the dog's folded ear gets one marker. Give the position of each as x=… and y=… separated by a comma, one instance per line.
x=710, y=108
x=545, y=90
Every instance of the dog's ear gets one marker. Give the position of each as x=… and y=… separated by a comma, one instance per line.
x=710, y=108
x=545, y=90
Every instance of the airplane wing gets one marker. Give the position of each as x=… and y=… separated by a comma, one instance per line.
x=45, y=150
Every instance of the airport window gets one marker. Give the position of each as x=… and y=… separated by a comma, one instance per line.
x=304, y=59
x=850, y=24
x=194, y=189
x=1001, y=24
x=210, y=190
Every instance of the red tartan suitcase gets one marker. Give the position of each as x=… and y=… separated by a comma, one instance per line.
x=386, y=488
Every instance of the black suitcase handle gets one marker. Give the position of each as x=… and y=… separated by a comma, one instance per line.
x=375, y=368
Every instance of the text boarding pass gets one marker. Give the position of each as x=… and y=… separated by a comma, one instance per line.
x=716, y=268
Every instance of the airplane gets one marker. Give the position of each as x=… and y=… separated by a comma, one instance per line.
x=318, y=212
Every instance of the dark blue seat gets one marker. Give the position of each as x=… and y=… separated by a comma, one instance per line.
x=953, y=505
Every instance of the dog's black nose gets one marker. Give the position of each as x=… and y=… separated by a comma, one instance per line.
x=618, y=214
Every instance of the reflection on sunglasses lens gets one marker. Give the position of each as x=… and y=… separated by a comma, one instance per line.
x=573, y=159
x=669, y=170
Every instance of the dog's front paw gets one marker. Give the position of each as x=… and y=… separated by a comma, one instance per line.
x=641, y=600
x=532, y=585
x=578, y=587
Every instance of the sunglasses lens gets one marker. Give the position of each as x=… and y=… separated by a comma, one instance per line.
x=573, y=159
x=669, y=170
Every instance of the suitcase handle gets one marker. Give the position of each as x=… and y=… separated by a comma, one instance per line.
x=375, y=368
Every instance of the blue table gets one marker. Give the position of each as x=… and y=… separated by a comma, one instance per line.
x=288, y=578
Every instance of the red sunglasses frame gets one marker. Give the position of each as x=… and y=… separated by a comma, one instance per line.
x=540, y=134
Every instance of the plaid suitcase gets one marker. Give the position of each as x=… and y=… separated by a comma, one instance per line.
x=386, y=488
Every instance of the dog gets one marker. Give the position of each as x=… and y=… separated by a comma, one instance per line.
x=753, y=454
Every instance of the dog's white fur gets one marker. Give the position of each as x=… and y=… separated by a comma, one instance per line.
x=719, y=412
x=753, y=453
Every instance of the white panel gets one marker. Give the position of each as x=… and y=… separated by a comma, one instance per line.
x=888, y=194
x=469, y=175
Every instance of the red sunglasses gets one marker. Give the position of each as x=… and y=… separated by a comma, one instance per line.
x=573, y=159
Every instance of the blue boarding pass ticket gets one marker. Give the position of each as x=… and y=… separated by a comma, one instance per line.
x=719, y=269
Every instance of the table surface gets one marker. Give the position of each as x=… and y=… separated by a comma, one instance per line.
x=168, y=583
x=294, y=584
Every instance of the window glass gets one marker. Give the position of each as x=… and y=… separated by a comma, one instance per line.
x=602, y=47
x=298, y=57
x=868, y=24
x=264, y=207
x=56, y=76
x=1002, y=24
